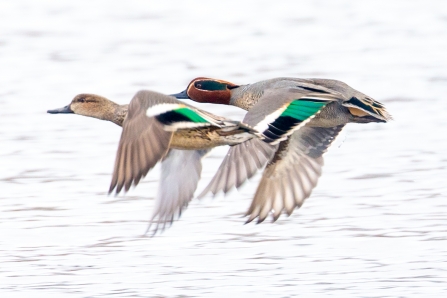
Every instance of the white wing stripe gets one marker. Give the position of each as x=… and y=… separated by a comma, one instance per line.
x=162, y=108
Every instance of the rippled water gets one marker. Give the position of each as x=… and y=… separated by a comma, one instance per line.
x=375, y=226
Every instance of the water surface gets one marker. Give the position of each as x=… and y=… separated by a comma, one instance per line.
x=374, y=227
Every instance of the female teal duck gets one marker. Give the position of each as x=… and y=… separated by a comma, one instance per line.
x=299, y=118
x=157, y=128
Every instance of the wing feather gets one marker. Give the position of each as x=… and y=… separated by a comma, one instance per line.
x=292, y=174
x=142, y=136
x=256, y=151
x=180, y=174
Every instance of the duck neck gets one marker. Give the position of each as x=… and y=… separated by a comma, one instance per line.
x=111, y=111
x=245, y=96
x=117, y=114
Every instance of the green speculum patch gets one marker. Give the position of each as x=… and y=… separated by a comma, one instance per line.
x=301, y=109
x=191, y=115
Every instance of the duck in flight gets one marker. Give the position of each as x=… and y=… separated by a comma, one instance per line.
x=156, y=128
x=299, y=119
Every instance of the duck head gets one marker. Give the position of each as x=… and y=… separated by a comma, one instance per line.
x=89, y=105
x=207, y=90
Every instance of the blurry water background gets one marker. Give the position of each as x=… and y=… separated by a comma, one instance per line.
x=374, y=227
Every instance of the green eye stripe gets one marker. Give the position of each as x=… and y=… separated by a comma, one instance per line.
x=213, y=86
x=193, y=116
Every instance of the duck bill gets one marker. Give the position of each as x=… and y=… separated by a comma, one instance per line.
x=64, y=110
x=181, y=95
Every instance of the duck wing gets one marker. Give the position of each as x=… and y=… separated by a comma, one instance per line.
x=180, y=174
x=143, y=141
x=241, y=163
x=276, y=115
x=293, y=172
x=147, y=132
x=279, y=113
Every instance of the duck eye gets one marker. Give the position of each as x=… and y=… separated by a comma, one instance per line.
x=81, y=99
x=198, y=85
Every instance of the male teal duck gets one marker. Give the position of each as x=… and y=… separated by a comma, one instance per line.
x=299, y=118
x=156, y=128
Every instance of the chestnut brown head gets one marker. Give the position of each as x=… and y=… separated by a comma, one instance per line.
x=207, y=90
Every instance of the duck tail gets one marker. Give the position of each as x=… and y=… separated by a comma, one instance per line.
x=367, y=110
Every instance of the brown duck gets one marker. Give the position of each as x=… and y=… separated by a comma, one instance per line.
x=158, y=127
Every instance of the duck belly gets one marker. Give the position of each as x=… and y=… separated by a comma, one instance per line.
x=205, y=138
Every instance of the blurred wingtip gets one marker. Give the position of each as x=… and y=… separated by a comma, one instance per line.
x=250, y=219
x=148, y=229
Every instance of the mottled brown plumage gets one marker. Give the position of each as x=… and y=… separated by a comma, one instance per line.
x=145, y=141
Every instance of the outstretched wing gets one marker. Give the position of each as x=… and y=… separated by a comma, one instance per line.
x=143, y=142
x=180, y=173
x=147, y=132
x=241, y=163
x=292, y=173
x=279, y=113
x=276, y=115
